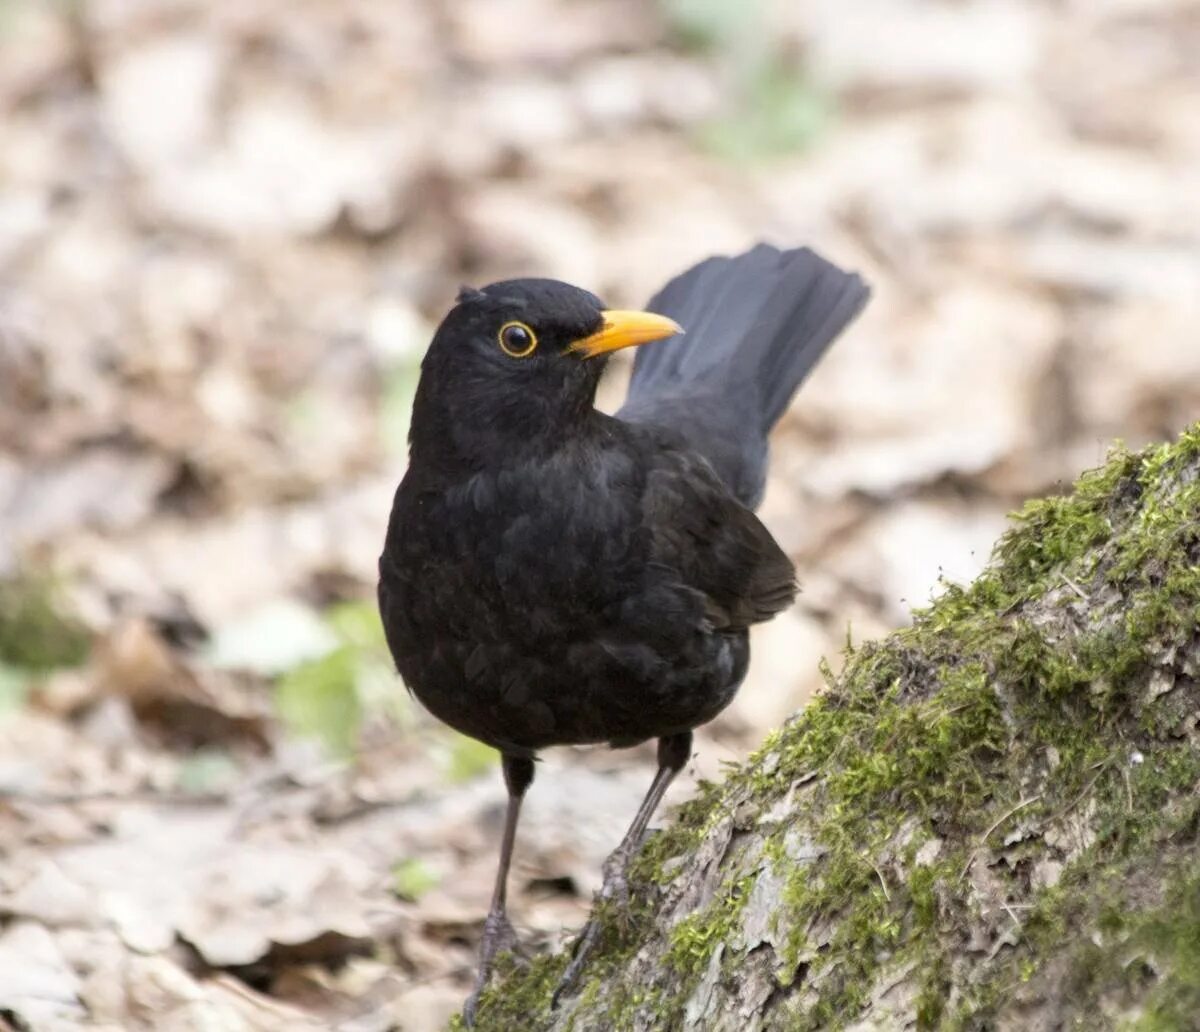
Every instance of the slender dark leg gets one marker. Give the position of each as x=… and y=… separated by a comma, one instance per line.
x=498, y=932
x=673, y=753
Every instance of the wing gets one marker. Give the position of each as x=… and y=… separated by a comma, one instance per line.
x=716, y=545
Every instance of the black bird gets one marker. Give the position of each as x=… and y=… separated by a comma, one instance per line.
x=553, y=575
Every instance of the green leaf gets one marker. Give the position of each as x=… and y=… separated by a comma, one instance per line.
x=207, y=771
x=467, y=758
x=357, y=624
x=381, y=692
x=329, y=696
x=712, y=24
x=412, y=878
x=779, y=111
x=14, y=688
x=276, y=637
x=320, y=700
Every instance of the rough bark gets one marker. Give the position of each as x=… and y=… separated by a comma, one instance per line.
x=990, y=820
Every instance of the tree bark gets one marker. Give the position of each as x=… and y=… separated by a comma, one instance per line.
x=990, y=820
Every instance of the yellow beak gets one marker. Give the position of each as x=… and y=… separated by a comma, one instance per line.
x=625, y=330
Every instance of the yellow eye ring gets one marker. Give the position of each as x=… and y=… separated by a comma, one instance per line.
x=517, y=340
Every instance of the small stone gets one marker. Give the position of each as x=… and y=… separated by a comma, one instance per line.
x=928, y=852
x=1161, y=682
x=1046, y=874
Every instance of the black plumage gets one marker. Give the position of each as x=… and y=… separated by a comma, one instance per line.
x=553, y=575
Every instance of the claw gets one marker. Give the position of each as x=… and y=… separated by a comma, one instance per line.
x=583, y=947
x=614, y=891
x=498, y=934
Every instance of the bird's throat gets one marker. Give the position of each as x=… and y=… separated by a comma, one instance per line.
x=459, y=433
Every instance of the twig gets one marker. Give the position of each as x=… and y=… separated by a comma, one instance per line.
x=361, y=808
x=879, y=874
x=1008, y=910
x=166, y=796
x=987, y=834
x=1101, y=764
x=141, y=795
x=1000, y=820
x=1076, y=588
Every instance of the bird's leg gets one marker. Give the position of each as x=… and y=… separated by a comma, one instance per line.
x=673, y=753
x=498, y=932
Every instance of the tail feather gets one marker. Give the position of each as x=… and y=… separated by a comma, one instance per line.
x=756, y=324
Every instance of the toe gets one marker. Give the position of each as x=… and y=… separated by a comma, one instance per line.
x=498, y=934
x=583, y=947
x=471, y=1007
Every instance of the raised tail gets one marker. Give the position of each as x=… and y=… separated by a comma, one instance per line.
x=755, y=325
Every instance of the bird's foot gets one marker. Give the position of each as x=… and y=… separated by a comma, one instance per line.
x=614, y=892
x=498, y=934
x=583, y=946
x=614, y=897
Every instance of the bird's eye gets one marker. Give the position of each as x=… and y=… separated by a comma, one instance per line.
x=517, y=340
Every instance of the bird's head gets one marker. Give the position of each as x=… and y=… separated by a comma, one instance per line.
x=516, y=365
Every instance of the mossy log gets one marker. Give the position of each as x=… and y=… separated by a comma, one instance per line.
x=990, y=820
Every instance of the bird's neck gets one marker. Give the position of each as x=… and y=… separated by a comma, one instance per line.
x=461, y=432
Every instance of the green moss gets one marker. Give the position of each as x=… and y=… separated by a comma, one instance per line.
x=693, y=820
x=1126, y=939
x=1169, y=938
x=625, y=1001
x=695, y=938
x=938, y=724
x=524, y=1001
x=37, y=633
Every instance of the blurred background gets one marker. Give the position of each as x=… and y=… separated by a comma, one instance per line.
x=226, y=231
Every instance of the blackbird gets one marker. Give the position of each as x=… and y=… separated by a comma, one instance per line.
x=553, y=575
